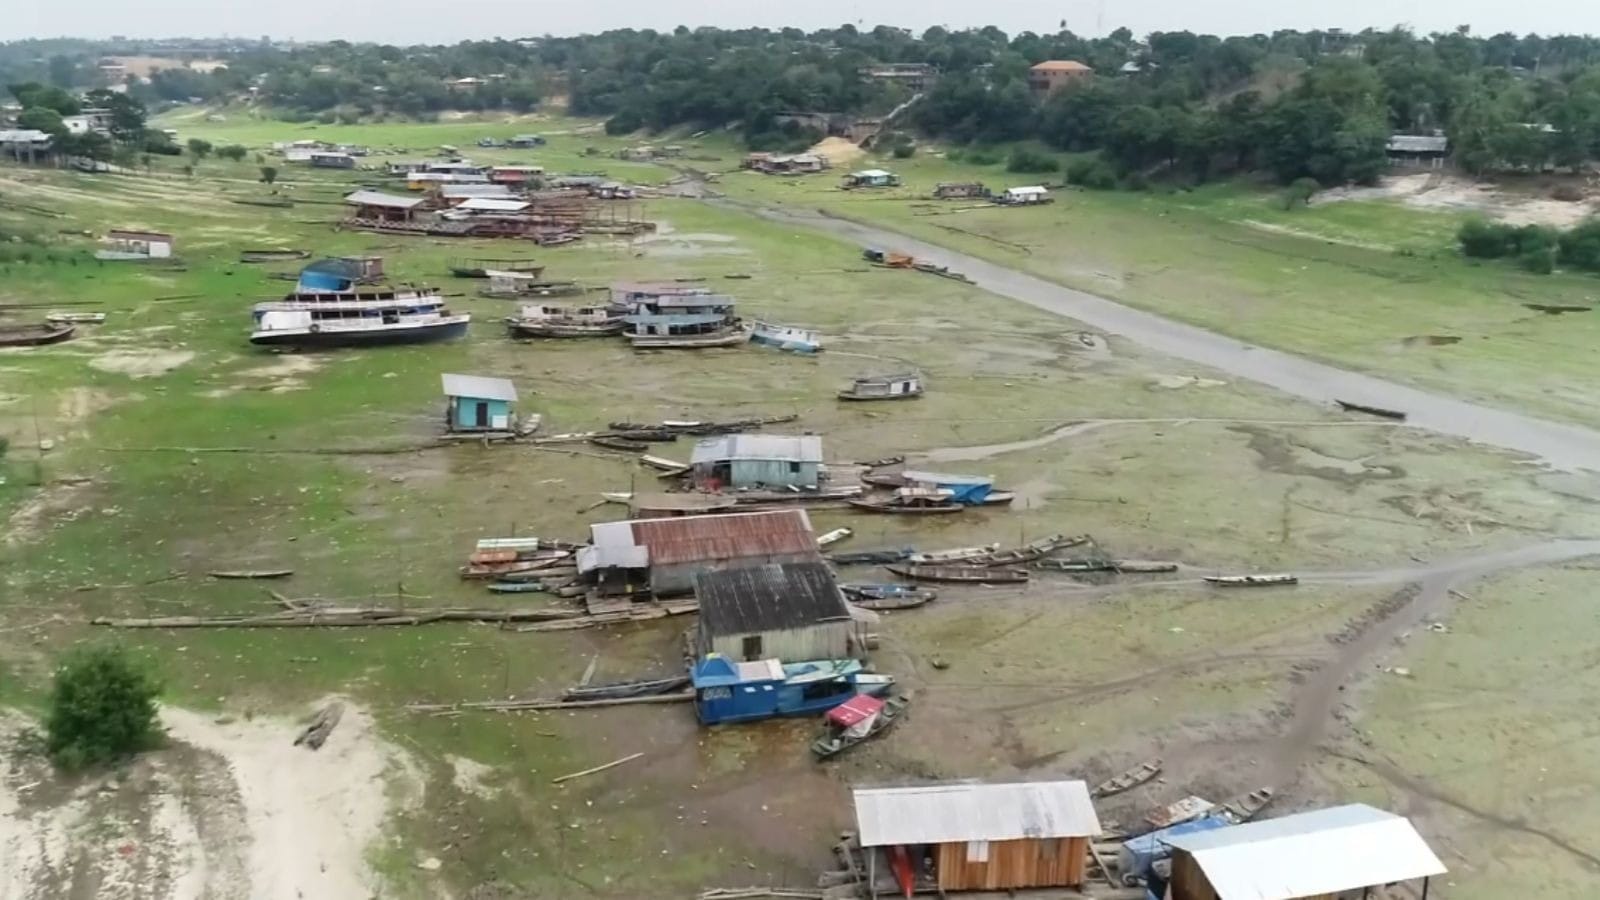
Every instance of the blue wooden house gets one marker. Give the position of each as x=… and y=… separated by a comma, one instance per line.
x=478, y=404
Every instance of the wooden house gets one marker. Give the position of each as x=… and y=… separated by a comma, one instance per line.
x=478, y=404
x=871, y=178
x=791, y=612
x=124, y=244
x=660, y=557
x=976, y=837
x=952, y=190
x=1327, y=854
x=369, y=269
x=332, y=160
x=735, y=461
x=1031, y=195
x=1417, y=150
x=382, y=207
x=1054, y=74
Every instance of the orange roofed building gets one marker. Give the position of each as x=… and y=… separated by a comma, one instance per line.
x=1048, y=76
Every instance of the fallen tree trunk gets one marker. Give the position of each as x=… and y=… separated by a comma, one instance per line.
x=315, y=734
x=536, y=704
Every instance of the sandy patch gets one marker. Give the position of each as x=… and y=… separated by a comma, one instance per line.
x=1177, y=382
x=1450, y=193
x=1315, y=236
x=470, y=776
x=226, y=811
x=53, y=505
x=141, y=363
x=838, y=151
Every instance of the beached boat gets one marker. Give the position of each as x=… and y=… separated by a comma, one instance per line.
x=611, y=442
x=1127, y=780
x=1380, y=411
x=1245, y=807
x=834, y=537
x=958, y=554
x=730, y=691
x=881, y=597
x=480, y=268
x=883, y=387
x=1251, y=580
x=263, y=256
x=1034, y=550
x=727, y=337
x=517, y=587
x=35, y=335
x=861, y=718
x=870, y=557
x=75, y=318
x=906, y=507
x=251, y=574
x=969, y=574
x=539, y=321
x=1142, y=566
x=665, y=505
x=357, y=318
x=785, y=337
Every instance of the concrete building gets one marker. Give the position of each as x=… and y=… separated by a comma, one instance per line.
x=791, y=612
x=1328, y=854
x=977, y=837
x=757, y=460
x=660, y=557
x=1054, y=74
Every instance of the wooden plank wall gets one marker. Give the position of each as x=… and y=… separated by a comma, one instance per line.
x=1015, y=864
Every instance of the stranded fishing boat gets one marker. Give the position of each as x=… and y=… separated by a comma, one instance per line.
x=784, y=337
x=729, y=691
x=356, y=318
x=968, y=574
x=886, y=596
x=1250, y=580
x=1350, y=406
x=1128, y=780
x=1033, y=551
x=861, y=718
x=883, y=387
x=727, y=337
x=480, y=268
x=536, y=321
x=35, y=335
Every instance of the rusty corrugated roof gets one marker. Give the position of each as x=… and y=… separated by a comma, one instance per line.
x=731, y=536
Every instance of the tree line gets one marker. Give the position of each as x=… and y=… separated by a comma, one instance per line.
x=1317, y=104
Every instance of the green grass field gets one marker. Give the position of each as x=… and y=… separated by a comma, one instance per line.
x=135, y=500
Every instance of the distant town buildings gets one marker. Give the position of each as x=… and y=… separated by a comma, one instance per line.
x=1054, y=74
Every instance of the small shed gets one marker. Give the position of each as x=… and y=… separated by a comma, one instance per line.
x=475, y=403
x=527, y=140
x=136, y=244
x=369, y=269
x=328, y=160
x=959, y=190
x=1418, y=150
x=790, y=612
x=381, y=206
x=965, y=836
x=757, y=460
x=1025, y=196
x=328, y=276
x=1320, y=854
x=884, y=387
x=871, y=178
x=661, y=556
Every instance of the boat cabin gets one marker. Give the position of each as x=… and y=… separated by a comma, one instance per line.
x=369, y=269
x=681, y=314
x=884, y=387
x=742, y=461
x=1025, y=196
x=784, y=611
x=970, y=490
x=962, y=836
x=476, y=404
x=329, y=276
x=632, y=293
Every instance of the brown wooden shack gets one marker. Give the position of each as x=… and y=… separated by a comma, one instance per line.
x=977, y=837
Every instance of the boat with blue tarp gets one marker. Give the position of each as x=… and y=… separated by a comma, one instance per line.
x=727, y=690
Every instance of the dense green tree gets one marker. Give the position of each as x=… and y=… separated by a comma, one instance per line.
x=42, y=118
x=102, y=708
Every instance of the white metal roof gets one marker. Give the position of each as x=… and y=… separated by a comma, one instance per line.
x=1311, y=854
x=1028, y=190
x=478, y=387
x=947, y=813
x=23, y=136
x=872, y=173
x=379, y=198
x=492, y=204
x=798, y=448
x=1418, y=143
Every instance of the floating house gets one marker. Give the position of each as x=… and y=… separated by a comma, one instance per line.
x=686, y=319
x=332, y=160
x=949, y=190
x=783, y=611
x=884, y=387
x=1329, y=853
x=660, y=557
x=968, y=490
x=515, y=175
x=786, y=337
x=525, y=141
x=728, y=691
x=871, y=178
x=738, y=461
x=977, y=837
x=121, y=244
x=474, y=403
x=1032, y=195
x=377, y=205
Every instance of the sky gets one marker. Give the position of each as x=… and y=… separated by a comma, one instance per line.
x=415, y=21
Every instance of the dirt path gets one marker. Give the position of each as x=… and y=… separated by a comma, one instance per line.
x=1557, y=444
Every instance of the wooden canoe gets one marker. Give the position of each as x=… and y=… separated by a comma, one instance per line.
x=1245, y=807
x=957, y=555
x=833, y=743
x=1033, y=551
x=248, y=574
x=75, y=318
x=616, y=443
x=1127, y=780
x=1370, y=410
x=969, y=574
x=35, y=335
x=904, y=509
x=1251, y=580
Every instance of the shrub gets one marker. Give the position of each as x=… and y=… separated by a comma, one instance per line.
x=625, y=122
x=1580, y=247
x=983, y=156
x=1031, y=161
x=904, y=151
x=1539, y=261
x=1567, y=193
x=1299, y=192
x=1482, y=239
x=233, y=152
x=102, y=708
x=1136, y=181
x=1536, y=239
x=1091, y=173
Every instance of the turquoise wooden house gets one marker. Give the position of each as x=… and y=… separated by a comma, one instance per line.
x=477, y=404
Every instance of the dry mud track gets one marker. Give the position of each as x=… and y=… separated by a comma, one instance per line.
x=1556, y=444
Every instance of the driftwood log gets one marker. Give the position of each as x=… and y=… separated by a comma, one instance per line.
x=315, y=734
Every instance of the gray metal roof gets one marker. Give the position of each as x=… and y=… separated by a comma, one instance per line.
x=773, y=597
x=23, y=136
x=952, y=812
x=1418, y=143
x=379, y=198
x=478, y=387
x=455, y=191
x=797, y=448
x=1310, y=854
